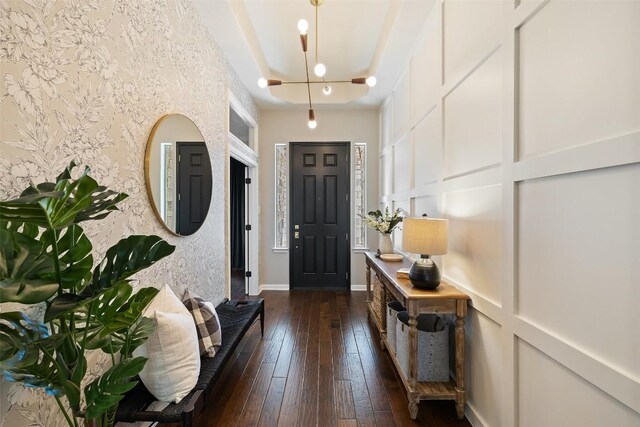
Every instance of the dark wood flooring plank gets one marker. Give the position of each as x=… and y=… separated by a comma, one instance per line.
x=361, y=400
x=273, y=402
x=293, y=391
x=326, y=400
x=253, y=408
x=344, y=399
x=384, y=419
x=347, y=423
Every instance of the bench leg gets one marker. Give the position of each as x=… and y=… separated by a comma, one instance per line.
x=262, y=319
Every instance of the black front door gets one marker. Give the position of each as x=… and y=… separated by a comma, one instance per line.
x=319, y=248
x=194, y=186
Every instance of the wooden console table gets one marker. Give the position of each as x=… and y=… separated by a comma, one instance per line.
x=445, y=299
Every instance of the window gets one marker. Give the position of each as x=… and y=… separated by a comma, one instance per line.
x=281, y=202
x=360, y=195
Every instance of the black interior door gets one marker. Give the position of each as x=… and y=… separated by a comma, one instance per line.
x=194, y=186
x=319, y=248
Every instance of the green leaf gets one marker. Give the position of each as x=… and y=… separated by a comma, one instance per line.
x=25, y=268
x=138, y=334
x=72, y=386
x=108, y=301
x=108, y=389
x=127, y=257
x=17, y=334
x=74, y=249
x=59, y=205
x=24, y=342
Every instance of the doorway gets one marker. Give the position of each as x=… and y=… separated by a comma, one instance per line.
x=319, y=249
x=239, y=262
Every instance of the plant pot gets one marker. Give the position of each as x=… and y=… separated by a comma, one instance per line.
x=385, y=245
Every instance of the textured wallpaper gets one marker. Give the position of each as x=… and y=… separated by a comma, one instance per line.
x=86, y=80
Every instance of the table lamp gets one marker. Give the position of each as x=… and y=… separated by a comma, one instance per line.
x=425, y=236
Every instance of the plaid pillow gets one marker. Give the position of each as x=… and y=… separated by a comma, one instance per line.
x=207, y=323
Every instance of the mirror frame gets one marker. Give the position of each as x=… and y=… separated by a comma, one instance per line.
x=147, y=175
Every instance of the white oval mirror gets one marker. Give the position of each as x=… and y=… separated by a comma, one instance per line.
x=178, y=174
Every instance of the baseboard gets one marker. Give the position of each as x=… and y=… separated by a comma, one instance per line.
x=274, y=287
x=473, y=417
x=285, y=287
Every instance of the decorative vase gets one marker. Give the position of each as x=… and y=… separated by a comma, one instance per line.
x=385, y=245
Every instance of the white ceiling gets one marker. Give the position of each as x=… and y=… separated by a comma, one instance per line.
x=357, y=38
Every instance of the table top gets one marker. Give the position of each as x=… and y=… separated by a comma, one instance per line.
x=390, y=268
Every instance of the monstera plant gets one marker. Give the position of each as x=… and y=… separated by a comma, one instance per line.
x=45, y=258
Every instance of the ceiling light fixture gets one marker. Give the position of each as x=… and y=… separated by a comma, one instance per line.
x=319, y=69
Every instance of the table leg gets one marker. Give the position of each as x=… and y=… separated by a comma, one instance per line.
x=368, y=281
x=461, y=396
x=413, y=405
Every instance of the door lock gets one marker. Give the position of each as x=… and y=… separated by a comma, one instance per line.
x=296, y=235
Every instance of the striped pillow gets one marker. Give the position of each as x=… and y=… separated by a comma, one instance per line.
x=207, y=323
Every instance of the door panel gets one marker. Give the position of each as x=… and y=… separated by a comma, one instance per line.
x=194, y=186
x=319, y=255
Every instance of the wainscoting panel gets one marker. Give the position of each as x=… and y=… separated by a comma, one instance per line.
x=386, y=125
x=472, y=118
x=397, y=234
x=402, y=106
x=426, y=71
x=474, y=240
x=484, y=363
x=551, y=395
x=426, y=205
x=472, y=29
x=591, y=75
x=427, y=156
x=386, y=173
x=402, y=165
x=578, y=263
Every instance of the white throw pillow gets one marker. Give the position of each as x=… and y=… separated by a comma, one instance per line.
x=174, y=358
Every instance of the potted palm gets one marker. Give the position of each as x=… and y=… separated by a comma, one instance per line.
x=45, y=258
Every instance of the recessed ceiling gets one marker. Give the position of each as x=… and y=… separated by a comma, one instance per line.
x=356, y=38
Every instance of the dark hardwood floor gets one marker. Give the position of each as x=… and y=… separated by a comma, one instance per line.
x=319, y=363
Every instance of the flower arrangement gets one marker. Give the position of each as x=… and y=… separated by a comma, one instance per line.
x=384, y=223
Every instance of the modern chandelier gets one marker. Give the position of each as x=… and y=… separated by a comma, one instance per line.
x=319, y=69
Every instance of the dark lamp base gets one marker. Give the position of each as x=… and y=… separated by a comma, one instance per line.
x=424, y=273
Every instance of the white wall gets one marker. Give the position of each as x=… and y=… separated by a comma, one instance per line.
x=278, y=127
x=523, y=123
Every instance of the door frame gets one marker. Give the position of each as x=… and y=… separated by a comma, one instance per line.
x=349, y=147
x=249, y=156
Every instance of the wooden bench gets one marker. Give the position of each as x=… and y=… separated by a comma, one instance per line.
x=236, y=317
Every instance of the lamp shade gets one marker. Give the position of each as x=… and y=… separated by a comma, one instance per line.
x=425, y=236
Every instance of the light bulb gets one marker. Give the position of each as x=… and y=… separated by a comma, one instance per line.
x=371, y=81
x=326, y=90
x=312, y=124
x=303, y=26
x=262, y=82
x=320, y=70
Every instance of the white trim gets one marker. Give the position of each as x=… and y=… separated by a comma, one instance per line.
x=273, y=287
x=360, y=250
x=276, y=250
x=247, y=154
x=242, y=152
x=472, y=415
x=358, y=288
